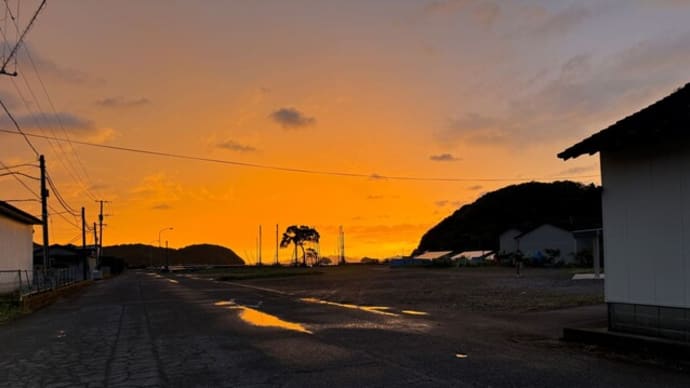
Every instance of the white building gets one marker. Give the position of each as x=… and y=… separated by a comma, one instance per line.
x=645, y=168
x=547, y=241
x=16, y=245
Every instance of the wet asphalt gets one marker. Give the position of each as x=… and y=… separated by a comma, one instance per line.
x=146, y=330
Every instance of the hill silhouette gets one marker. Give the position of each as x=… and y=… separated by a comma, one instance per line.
x=142, y=254
x=568, y=205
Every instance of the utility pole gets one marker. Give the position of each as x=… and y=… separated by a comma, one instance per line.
x=95, y=242
x=276, y=263
x=259, y=263
x=342, y=245
x=100, y=232
x=44, y=214
x=85, y=262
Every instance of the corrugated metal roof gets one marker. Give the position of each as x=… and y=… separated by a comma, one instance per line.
x=471, y=254
x=667, y=119
x=432, y=255
x=18, y=215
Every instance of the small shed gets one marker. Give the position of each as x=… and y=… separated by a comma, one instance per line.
x=16, y=246
x=645, y=172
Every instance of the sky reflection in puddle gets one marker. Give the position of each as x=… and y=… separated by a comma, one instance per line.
x=262, y=319
x=413, y=312
x=380, y=310
x=173, y=281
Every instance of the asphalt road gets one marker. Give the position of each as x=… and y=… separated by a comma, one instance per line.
x=145, y=330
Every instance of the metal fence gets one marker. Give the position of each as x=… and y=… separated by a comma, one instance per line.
x=26, y=282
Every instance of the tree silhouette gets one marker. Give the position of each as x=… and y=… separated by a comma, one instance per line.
x=299, y=235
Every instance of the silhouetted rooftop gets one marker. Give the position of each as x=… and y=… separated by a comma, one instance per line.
x=18, y=215
x=667, y=119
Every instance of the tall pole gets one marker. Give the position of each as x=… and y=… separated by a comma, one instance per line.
x=100, y=232
x=260, y=236
x=95, y=242
x=167, y=267
x=342, y=245
x=276, y=263
x=44, y=214
x=85, y=262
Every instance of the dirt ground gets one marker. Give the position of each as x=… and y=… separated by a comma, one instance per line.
x=477, y=289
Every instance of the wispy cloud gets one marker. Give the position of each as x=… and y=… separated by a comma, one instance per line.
x=161, y=206
x=475, y=187
x=75, y=125
x=291, y=118
x=237, y=147
x=444, y=158
x=123, y=102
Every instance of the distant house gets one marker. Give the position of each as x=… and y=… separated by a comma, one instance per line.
x=645, y=169
x=16, y=246
x=547, y=241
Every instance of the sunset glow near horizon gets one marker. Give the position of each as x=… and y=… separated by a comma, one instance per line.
x=483, y=93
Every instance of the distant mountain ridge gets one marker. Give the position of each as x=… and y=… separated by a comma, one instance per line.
x=568, y=205
x=142, y=254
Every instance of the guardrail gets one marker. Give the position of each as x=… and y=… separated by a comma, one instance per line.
x=25, y=282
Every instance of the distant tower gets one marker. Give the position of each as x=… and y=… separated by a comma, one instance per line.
x=341, y=241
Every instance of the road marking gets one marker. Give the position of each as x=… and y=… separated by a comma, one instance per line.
x=272, y=290
x=413, y=312
x=173, y=281
x=370, y=309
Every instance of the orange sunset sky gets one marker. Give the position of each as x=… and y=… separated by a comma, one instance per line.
x=482, y=93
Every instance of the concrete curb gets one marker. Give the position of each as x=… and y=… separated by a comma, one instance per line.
x=629, y=342
x=37, y=301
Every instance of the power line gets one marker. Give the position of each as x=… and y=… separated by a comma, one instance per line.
x=294, y=170
x=13, y=52
x=19, y=173
x=16, y=125
x=20, y=181
x=59, y=120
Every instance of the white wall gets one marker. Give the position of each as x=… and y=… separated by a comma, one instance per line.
x=646, y=211
x=506, y=241
x=548, y=237
x=16, y=251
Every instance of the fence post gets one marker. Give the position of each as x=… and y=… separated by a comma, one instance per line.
x=19, y=275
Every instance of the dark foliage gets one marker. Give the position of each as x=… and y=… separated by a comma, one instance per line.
x=143, y=255
x=565, y=204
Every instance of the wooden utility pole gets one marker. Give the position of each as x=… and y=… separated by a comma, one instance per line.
x=85, y=262
x=95, y=242
x=100, y=232
x=44, y=214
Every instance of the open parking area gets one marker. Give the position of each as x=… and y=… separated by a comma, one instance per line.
x=359, y=325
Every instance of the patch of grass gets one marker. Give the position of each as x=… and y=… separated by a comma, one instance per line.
x=9, y=308
x=233, y=274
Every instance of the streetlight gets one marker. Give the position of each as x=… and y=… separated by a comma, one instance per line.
x=159, y=242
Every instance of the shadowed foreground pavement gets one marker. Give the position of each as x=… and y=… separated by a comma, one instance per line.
x=146, y=330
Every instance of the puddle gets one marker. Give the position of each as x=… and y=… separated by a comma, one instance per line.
x=413, y=312
x=261, y=319
x=380, y=310
x=173, y=281
x=460, y=355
